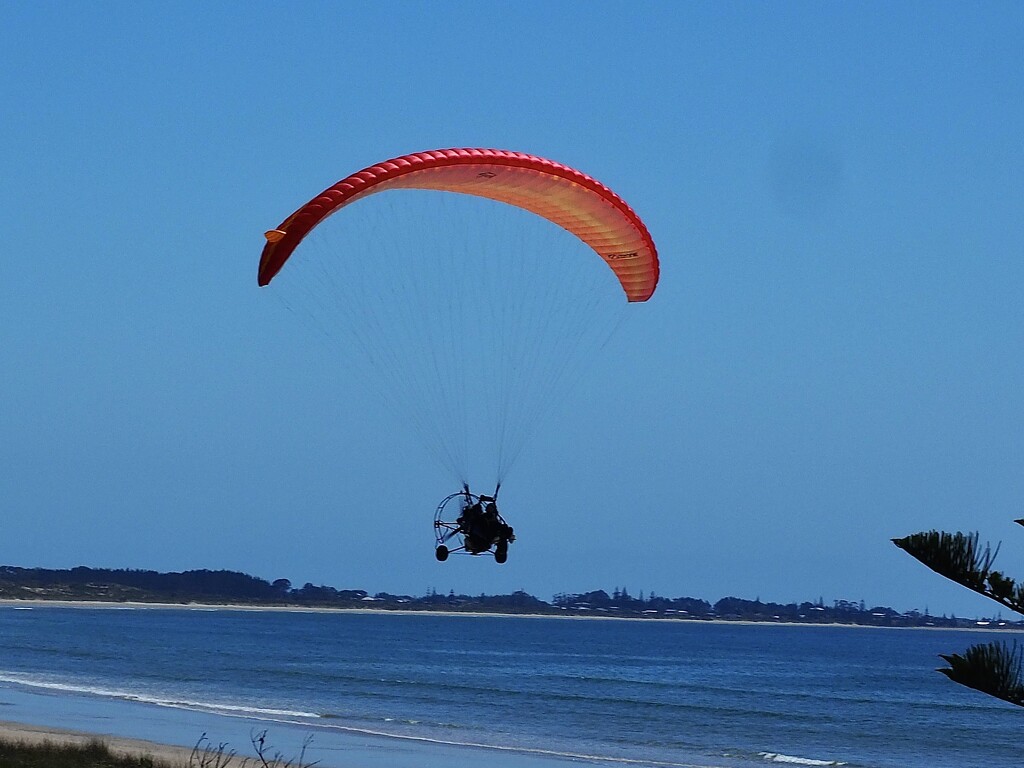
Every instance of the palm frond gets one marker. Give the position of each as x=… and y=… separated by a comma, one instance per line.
x=995, y=669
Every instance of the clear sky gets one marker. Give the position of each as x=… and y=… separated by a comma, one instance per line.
x=832, y=358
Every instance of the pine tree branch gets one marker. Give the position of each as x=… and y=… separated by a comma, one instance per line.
x=955, y=556
x=994, y=669
x=958, y=557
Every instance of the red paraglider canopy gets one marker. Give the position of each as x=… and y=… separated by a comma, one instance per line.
x=564, y=196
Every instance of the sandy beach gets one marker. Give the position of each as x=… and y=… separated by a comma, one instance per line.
x=38, y=734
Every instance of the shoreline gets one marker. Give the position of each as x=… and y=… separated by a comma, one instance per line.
x=137, y=716
x=37, y=735
x=340, y=748
x=29, y=603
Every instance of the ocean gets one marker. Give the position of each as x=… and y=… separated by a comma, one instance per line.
x=387, y=689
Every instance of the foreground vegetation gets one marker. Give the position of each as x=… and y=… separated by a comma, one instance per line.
x=993, y=668
x=96, y=754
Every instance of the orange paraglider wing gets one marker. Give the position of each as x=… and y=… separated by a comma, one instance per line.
x=564, y=196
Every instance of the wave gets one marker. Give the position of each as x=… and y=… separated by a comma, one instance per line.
x=778, y=757
x=109, y=693
x=523, y=750
x=325, y=721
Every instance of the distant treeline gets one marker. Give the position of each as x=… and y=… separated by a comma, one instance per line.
x=129, y=584
x=231, y=587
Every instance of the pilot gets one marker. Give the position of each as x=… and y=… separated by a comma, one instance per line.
x=474, y=524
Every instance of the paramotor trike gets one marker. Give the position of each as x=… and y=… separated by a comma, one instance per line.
x=477, y=521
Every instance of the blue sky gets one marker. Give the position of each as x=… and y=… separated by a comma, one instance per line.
x=833, y=356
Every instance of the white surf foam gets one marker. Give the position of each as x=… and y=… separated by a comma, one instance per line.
x=778, y=757
x=109, y=693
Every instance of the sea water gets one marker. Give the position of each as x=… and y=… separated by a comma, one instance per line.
x=432, y=689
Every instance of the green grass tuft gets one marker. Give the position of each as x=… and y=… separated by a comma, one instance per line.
x=93, y=754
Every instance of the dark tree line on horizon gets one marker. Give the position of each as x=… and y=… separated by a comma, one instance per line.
x=226, y=587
